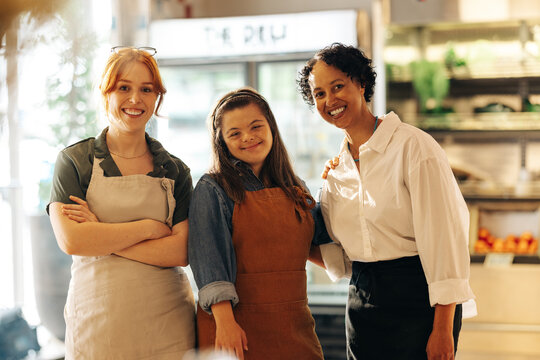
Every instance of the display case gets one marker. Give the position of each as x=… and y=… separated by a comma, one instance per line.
x=476, y=89
x=468, y=85
x=465, y=77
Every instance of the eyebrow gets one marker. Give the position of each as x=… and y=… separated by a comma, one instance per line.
x=130, y=82
x=251, y=123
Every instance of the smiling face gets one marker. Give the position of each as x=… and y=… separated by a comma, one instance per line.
x=133, y=98
x=338, y=98
x=247, y=135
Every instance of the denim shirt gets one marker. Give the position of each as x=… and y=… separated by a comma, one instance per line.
x=210, y=247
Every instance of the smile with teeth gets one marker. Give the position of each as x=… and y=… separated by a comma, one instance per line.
x=337, y=111
x=133, y=112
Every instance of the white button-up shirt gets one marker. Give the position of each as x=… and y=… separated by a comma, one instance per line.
x=402, y=201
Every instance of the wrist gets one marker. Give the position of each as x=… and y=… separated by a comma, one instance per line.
x=223, y=313
x=149, y=229
x=444, y=318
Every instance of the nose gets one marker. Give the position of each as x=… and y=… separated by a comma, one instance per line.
x=330, y=99
x=134, y=97
x=247, y=136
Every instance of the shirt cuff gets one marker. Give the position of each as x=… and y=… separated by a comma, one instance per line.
x=216, y=292
x=450, y=291
x=336, y=262
x=469, y=309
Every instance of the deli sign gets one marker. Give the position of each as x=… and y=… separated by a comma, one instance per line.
x=238, y=36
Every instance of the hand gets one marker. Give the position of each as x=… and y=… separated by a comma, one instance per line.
x=330, y=165
x=231, y=339
x=79, y=213
x=158, y=229
x=440, y=345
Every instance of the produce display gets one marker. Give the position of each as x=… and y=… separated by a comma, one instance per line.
x=525, y=244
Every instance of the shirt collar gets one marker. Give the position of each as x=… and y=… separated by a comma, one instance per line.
x=250, y=180
x=162, y=159
x=380, y=138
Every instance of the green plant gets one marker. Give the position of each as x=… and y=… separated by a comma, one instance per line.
x=16, y=15
x=431, y=84
x=70, y=89
x=452, y=61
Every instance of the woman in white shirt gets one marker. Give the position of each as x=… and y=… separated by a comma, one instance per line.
x=393, y=207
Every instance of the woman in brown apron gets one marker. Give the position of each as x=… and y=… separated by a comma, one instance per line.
x=127, y=230
x=251, y=230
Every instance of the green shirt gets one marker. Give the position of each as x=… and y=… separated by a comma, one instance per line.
x=73, y=170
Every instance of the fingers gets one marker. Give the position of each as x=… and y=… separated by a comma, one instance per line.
x=78, y=200
x=76, y=218
x=329, y=165
x=244, y=340
x=235, y=351
x=73, y=212
x=335, y=162
x=239, y=353
x=324, y=174
x=234, y=347
x=73, y=207
x=78, y=211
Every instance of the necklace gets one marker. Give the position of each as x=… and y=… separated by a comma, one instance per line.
x=374, y=128
x=129, y=157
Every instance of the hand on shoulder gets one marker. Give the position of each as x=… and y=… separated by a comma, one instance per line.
x=330, y=165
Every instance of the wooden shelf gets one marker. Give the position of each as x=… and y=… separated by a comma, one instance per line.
x=485, y=127
x=460, y=87
x=518, y=259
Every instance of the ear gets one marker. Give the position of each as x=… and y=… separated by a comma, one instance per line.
x=359, y=86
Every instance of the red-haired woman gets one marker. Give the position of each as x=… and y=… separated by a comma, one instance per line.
x=119, y=205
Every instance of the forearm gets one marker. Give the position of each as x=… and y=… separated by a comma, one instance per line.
x=168, y=251
x=230, y=337
x=444, y=318
x=441, y=342
x=315, y=256
x=96, y=238
x=223, y=313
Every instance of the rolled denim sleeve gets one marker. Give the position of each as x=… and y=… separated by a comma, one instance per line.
x=320, y=235
x=210, y=248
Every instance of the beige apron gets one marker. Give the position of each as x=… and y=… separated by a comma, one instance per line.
x=123, y=309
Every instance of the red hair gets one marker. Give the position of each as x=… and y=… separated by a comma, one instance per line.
x=117, y=63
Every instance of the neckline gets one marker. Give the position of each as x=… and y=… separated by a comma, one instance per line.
x=374, y=128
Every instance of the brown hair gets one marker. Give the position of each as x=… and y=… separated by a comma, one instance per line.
x=276, y=170
x=117, y=62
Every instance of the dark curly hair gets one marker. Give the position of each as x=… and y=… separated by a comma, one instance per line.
x=348, y=59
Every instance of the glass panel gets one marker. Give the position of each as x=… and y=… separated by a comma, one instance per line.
x=310, y=141
x=54, y=105
x=191, y=93
x=6, y=251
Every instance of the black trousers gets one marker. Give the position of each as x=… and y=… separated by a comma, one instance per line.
x=388, y=312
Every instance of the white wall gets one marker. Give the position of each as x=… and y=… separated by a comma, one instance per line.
x=224, y=8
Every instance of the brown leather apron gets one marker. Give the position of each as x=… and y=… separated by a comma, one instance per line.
x=272, y=245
